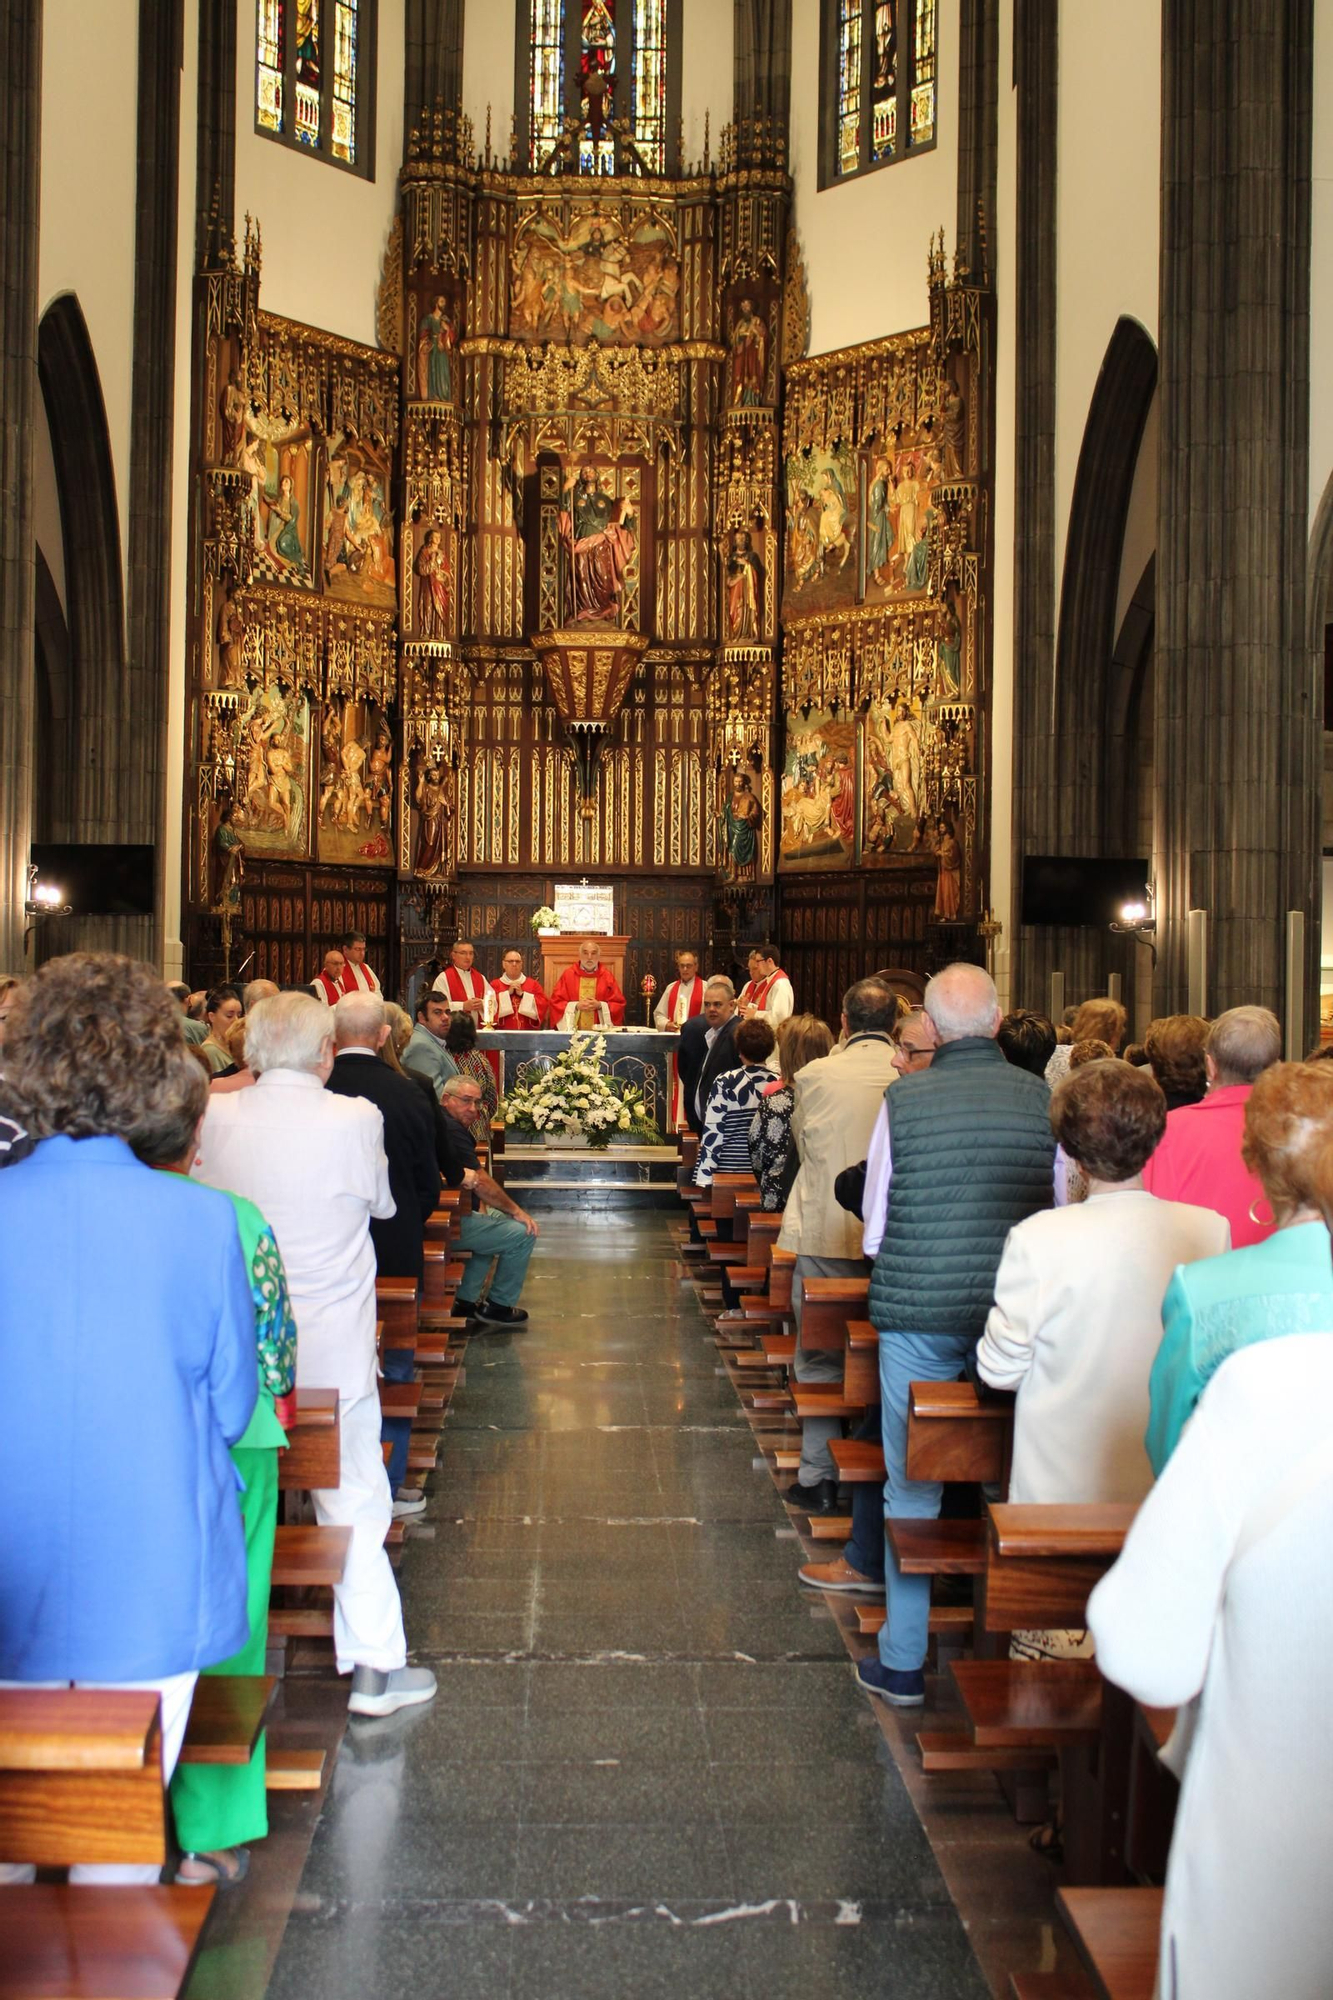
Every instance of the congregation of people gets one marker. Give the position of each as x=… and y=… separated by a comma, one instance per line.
x=1136, y=1247
x=1131, y=1241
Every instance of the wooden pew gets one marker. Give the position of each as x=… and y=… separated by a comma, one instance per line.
x=953, y=1435
x=81, y=1782
x=227, y=1714
x=1116, y=1933
x=313, y=1458
x=304, y=1556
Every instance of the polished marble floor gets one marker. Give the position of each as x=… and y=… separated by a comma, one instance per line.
x=648, y=1770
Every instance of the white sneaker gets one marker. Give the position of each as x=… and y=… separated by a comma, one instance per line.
x=408, y=1503
x=376, y=1693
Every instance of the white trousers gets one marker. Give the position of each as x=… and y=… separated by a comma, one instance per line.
x=367, y=1611
x=177, y=1692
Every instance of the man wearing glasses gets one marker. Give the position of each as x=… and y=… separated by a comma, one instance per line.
x=508, y=1236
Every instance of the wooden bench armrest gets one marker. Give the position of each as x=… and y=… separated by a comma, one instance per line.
x=1053, y=1531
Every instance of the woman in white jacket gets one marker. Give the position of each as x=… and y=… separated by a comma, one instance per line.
x=1077, y=1318
x=1222, y=1589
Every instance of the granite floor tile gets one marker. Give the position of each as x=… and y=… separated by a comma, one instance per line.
x=651, y=1960
x=613, y=1862
x=348, y=1955
x=630, y=1792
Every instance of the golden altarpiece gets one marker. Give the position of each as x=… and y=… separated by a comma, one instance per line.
x=505, y=600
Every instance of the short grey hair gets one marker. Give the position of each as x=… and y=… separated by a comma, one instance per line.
x=962, y=1001
x=257, y=990
x=290, y=1031
x=358, y=1017
x=1243, y=1043
x=720, y=979
x=454, y=1084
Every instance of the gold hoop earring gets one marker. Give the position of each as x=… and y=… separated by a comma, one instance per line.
x=1258, y=1220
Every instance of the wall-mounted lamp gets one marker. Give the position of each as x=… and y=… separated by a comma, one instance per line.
x=1139, y=920
x=43, y=900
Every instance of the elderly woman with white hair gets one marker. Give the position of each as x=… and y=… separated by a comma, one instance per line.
x=314, y=1164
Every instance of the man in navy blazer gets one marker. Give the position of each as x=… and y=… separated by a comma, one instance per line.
x=707, y=1047
x=360, y=1026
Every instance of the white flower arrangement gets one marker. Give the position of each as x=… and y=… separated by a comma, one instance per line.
x=577, y=1096
x=545, y=919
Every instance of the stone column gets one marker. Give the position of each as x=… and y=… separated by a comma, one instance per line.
x=215, y=158
x=141, y=802
x=1237, y=712
x=433, y=69
x=1036, y=79
x=20, y=166
x=978, y=129
x=762, y=59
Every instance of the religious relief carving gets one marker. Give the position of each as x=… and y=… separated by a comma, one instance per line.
x=822, y=531
x=276, y=461
x=595, y=270
x=795, y=305
x=354, y=816
x=358, y=552
x=600, y=543
x=271, y=747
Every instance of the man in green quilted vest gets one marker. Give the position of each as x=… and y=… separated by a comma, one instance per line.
x=961, y=1152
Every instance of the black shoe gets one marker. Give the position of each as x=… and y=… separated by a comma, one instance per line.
x=495, y=1315
x=820, y=1499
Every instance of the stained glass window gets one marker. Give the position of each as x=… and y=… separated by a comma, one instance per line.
x=878, y=102
x=548, y=76
x=272, y=60
x=600, y=61
x=314, y=77
x=650, y=81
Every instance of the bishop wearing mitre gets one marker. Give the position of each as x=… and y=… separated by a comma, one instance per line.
x=583, y=989
x=684, y=997
x=519, y=1002
x=466, y=990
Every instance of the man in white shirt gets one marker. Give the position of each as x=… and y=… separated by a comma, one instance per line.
x=314, y=1165
x=766, y=994
x=464, y=987
x=357, y=976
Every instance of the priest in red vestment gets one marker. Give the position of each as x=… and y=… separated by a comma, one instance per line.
x=466, y=990
x=327, y=983
x=357, y=976
x=519, y=1001
x=584, y=986
x=766, y=994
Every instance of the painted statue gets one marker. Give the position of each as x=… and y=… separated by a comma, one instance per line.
x=233, y=421
x=742, y=818
x=952, y=430
x=436, y=340
x=283, y=534
x=905, y=763
x=833, y=536
x=749, y=353
x=948, y=649
x=597, y=531
x=231, y=642
x=434, y=586
x=431, y=799
x=948, y=886
x=879, y=524
x=229, y=851
x=744, y=587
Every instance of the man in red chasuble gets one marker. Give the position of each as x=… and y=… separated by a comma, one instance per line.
x=519, y=1002
x=583, y=987
x=464, y=988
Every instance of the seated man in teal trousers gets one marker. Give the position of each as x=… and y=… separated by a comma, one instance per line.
x=508, y=1236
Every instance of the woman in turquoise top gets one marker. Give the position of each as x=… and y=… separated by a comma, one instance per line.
x=1280, y=1286
x=218, y=1807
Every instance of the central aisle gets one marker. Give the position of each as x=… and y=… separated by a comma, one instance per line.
x=648, y=1770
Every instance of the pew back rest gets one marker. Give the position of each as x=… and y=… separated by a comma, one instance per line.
x=80, y=1777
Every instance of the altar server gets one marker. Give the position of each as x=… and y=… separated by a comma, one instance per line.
x=684, y=997
x=683, y=1001
x=766, y=994
x=582, y=990
x=519, y=1001
x=466, y=989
